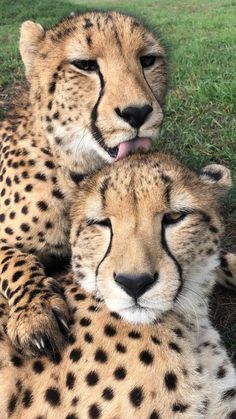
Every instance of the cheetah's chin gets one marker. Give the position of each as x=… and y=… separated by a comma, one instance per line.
x=139, y=315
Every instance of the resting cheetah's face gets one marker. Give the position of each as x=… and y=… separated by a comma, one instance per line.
x=99, y=82
x=146, y=233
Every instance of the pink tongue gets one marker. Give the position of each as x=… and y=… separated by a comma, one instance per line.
x=128, y=147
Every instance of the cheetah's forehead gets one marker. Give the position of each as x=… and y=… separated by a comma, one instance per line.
x=153, y=182
x=89, y=32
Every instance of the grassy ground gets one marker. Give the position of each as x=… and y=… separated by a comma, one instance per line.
x=200, y=123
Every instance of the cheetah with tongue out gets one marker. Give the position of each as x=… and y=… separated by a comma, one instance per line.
x=87, y=106
x=144, y=252
x=97, y=84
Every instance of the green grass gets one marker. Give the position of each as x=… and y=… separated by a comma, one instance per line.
x=200, y=121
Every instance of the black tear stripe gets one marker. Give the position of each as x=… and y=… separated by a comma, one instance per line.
x=106, y=254
x=112, y=151
x=179, y=268
x=94, y=114
x=153, y=94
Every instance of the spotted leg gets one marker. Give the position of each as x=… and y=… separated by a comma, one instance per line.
x=38, y=316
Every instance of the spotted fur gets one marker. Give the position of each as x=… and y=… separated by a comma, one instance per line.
x=154, y=357
x=71, y=124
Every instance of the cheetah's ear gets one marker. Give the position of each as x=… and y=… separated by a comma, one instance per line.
x=218, y=176
x=30, y=36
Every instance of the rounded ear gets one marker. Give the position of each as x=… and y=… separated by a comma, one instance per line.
x=30, y=36
x=216, y=175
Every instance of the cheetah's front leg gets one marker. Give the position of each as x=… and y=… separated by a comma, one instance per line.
x=38, y=319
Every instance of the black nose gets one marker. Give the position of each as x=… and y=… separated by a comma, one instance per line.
x=135, y=115
x=136, y=285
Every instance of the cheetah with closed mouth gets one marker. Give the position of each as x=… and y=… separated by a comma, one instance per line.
x=144, y=252
x=97, y=84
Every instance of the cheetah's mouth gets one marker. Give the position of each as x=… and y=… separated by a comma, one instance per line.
x=125, y=148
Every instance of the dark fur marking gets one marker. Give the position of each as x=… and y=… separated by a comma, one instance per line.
x=167, y=193
x=52, y=87
x=106, y=254
x=89, y=40
x=178, y=266
x=96, y=131
x=103, y=189
x=88, y=24
x=117, y=38
x=77, y=177
x=165, y=178
x=216, y=176
x=205, y=217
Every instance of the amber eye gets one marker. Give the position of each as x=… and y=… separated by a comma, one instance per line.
x=86, y=65
x=147, y=60
x=174, y=217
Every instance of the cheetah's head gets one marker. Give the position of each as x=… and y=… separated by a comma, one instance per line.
x=97, y=83
x=146, y=235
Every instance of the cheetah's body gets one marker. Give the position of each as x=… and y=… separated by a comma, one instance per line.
x=112, y=369
x=97, y=87
x=71, y=125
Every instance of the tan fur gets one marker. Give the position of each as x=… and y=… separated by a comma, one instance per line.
x=51, y=142
x=173, y=367
x=66, y=129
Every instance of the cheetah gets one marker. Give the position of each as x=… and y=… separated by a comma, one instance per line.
x=144, y=253
x=97, y=86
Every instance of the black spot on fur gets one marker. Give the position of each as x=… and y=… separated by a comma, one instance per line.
x=120, y=348
x=94, y=411
x=70, y=380
x=178, y=332
x=52, y=87
x=87, y=23
x=146, y=357
x=88, y=337
x=170, y=381
x=92, y=378
x=221, y=372
x=75, y=355
x=136, y=396
x=85, y=322
x=109, y=330
x=179, y=407
x=174, y=347
x=229, y=394
x=27, y=398
x=134, y=335
x=52, y=396
x=120, y=373
x=100, y=356
x=42, y=205
x=107, y=393
x=155, y=340
x=11, y=407
x=77, y=177
x=38, y=367
x=154, y=415
x=17, y=361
